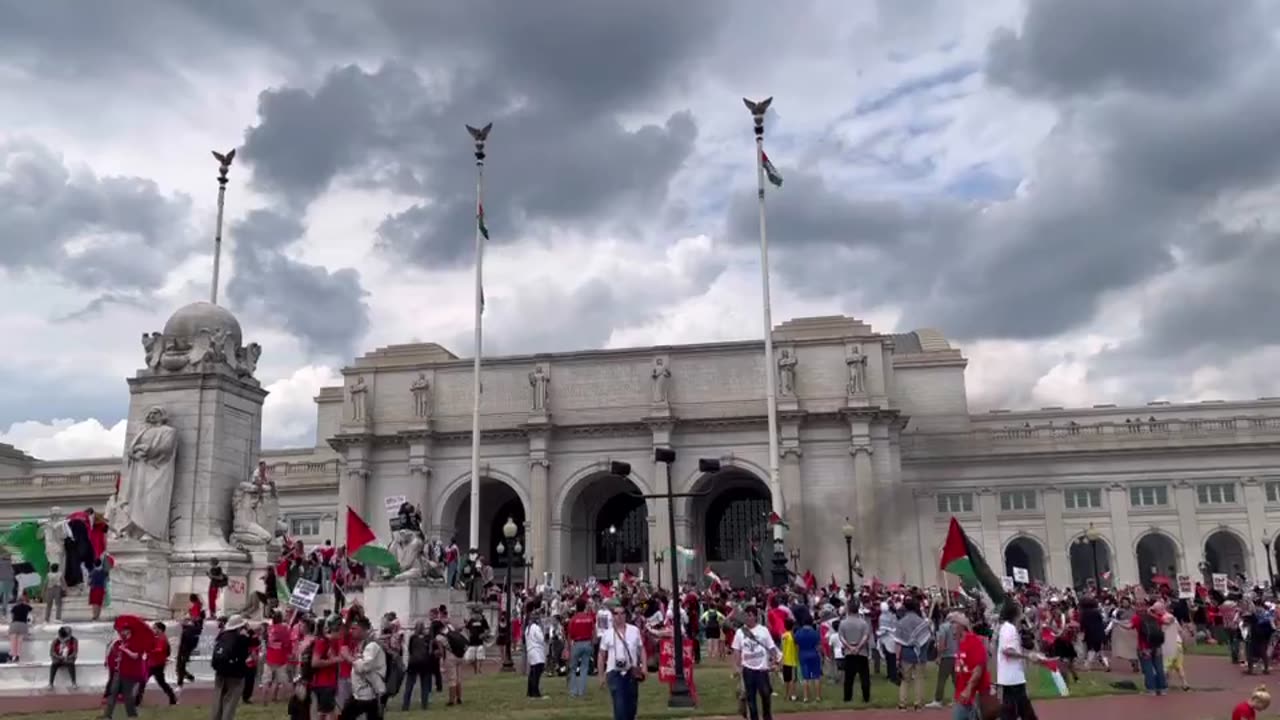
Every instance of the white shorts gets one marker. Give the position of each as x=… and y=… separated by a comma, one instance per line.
x=475, y=653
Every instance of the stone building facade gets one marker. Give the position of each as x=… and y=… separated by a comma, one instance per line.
x=875, y=433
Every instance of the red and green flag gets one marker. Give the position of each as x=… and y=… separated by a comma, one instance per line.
x=961, y=558
x=484, y=229
x=770, y=171
x=363, y=547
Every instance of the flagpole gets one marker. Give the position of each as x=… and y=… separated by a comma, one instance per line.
x=758, y=110
x=479, y=136
x=224, y=165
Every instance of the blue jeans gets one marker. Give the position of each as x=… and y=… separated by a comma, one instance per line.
x=451, y=574
x=625, y=694
x=579, y=666
x=1153, y=670
x=965, y=712
x=416, y=676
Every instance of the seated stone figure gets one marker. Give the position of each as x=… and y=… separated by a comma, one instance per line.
x=407, y=549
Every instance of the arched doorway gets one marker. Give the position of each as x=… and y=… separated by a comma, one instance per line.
x=1025, y=552
x=730, y=525
x=1090, y=561
x=597, y=503
x=1224, y=553
x=498, y=502
x=1157, y=555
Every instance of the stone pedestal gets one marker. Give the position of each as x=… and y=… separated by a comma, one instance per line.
x=140, y=580
x=412, y=599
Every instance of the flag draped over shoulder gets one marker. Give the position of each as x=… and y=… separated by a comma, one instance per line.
x=26, y=540
x=363, y=547
x=961, y=558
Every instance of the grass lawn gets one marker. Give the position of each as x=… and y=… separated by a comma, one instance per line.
x=1207, y=649
x=496, y=696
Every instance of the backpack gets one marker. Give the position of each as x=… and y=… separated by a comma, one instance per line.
x=457, y=643
x=395, y=671
x=1150, y=631
x=419, y=650
x=227, y=659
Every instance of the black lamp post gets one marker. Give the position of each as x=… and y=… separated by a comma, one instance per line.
x=509, y=551
x=679, y=696
x=657, y=560
x=1271, y=574
x=847, y=531
x=610, y=537
x=795, y=561
x=1093, y=536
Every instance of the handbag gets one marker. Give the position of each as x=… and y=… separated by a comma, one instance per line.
x=636, y=673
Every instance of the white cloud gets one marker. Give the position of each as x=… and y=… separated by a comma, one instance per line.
x=289, y=415
x=66, y=439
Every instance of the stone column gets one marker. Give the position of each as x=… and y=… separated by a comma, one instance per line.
x=420, y=477
x=539, y=515
x=1188, y=529
x=925, y=571
x=789, y=476
x=868, y=540
x=1255, y=503
x=352, y=489
x=1058, y=560
x=661, y=427
x=1124, y=561
x=989, y=511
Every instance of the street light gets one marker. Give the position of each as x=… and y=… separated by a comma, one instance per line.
x=610, y=537
x=847, y=531
x=509, y=530
x=1092, y=534
x=657, y=560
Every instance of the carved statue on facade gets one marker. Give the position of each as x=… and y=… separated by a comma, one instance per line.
x=55, y=533
x=857, y=363
x=142, y=508
x=661, y=375
x=254, y=513
x=153, y=344
x=421, y=391
x=538, y=380
x=247, y=359
x=359, y=391
x=787, y=374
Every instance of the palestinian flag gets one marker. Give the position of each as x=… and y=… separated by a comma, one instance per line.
x=776, y=520
x=770, y=171
x=363, y=547
x=26, y=540
x=484, y=230
x=961, y=558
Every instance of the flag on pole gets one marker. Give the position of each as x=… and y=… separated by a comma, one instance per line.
x=770, y=171
x=961, y=558
x=484, y=230
x=776, y=520
x=363, y=547
x=712, y=576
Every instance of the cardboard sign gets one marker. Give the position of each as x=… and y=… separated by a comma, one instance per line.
x=1021, y=575
x=393, y=503
x=1007, y=581
x=304, y=595
x=667, y=660
x=1220, y=582
x=1186, y=588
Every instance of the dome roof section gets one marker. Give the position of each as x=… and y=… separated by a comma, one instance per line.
x=189, y=320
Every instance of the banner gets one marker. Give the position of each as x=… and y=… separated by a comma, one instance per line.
x=1021, y=575
x=304, y=595
x=1220, y=582
x=667, y=661
x=1186, y=588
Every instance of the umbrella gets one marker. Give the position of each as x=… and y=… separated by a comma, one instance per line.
x=141, y=637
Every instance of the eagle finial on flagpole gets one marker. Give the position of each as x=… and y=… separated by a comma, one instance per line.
x=757, y=108
x=480, y=134
x=224, y=166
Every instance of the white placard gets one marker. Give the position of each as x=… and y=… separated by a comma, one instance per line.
x=1186, y=588
x=1021, y=575
x=393, y=503
x=1220, y=582
x=304, y=595
x=1007, y=581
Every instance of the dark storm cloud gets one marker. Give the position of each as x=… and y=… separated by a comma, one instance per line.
x=1163, y=46
x=325, y=309
x=97, y=233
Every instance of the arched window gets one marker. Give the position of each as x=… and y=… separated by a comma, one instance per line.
x=735, y=520
x=628, y=514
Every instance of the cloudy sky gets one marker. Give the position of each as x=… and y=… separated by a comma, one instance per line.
x=1080, y=193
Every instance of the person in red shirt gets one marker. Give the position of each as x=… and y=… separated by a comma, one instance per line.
x=1150, y=654
x=581, y=633
x=325, y=658
x=157, y=658
x=279, y=651
x=973, y=681
x=1248, y=710
x=252, y=664
x=130, y=670
x=777, y=619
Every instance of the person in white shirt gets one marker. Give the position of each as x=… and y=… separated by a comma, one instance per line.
x=535, y=653
x=754, y=655
x=622, y=662
x=368, y=671
x=1011, y=668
